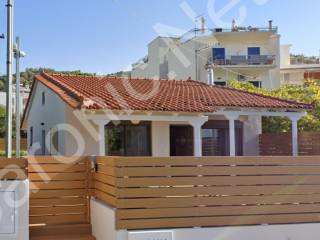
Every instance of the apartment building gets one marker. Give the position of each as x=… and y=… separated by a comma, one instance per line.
x=215, y=56
x=297, y=70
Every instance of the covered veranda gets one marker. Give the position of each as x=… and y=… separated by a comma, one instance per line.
x=161, y=122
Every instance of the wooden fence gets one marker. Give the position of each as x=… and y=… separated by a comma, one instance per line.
x=13, y=169
x=23, y=144
x=279, y=144
x=59, y=190
x=151, y=193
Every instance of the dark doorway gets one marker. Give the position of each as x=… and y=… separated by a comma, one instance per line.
x=181, y=140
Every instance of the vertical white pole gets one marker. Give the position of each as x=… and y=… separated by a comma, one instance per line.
x=17, y=55
x=197, y=140
x=232, y=136
x=295, y=147
x=9, y=80
x=102, y=147
x=197, y=136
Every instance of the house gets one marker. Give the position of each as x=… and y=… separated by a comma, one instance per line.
x=296, y=71
x=91, y=115
x=240, y=53
x=24, y=97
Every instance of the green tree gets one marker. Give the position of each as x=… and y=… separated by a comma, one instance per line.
x=309, y=93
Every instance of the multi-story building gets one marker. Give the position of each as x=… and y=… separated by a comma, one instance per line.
x=295, y=70
x=215, y=56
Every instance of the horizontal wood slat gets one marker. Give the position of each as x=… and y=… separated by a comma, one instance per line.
x=172, y=192
x=59, y=190
x=13, y=168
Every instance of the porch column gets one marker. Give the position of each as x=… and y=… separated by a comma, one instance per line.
x=197, y=142
x=295, y=142
x=101, y=131
x=232, y=136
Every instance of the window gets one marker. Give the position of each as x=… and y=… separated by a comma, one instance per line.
x=256, y=83
x=43, y=142
x=241, y=78
x=253, y=51
x=31, y=136
x=220, y=83
x=43, y=99
x=127, y=139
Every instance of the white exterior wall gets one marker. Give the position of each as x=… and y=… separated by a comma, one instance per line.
x=295, y=77
x=182, y=64
x=252, y=128
x=51, y=114
x=83, y=138
x=160, y=137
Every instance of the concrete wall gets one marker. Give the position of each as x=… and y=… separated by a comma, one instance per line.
x=44, y=117
x=14, y=208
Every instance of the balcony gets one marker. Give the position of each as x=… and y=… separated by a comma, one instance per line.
x=245, y=61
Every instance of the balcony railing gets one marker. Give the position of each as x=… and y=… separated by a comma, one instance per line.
x=247, y=60
x=246, y=29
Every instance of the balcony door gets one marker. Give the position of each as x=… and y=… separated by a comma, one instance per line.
x=219, y=53
x=253, y=51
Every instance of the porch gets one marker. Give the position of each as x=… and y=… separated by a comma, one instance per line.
x=222, y=133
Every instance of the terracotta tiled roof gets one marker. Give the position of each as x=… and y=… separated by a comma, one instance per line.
x=155, y=95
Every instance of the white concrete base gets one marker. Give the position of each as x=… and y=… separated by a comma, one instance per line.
x=14, y=210
x=103, y=221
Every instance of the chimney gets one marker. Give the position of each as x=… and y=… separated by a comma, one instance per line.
x=203, y=24
x=270, y=25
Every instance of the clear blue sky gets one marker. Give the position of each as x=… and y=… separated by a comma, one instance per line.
x=108, y=35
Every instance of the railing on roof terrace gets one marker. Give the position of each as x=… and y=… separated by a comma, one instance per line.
x=250, y=60
x=246, y=29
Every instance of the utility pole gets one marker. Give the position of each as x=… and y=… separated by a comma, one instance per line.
x=9, y=78
x=18, y=54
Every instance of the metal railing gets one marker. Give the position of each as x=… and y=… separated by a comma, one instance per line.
x=251, y=60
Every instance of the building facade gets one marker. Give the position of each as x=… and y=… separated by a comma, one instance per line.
x=216, y=56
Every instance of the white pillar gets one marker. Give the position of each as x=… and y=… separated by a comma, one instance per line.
x=101, y=131
x=232, y=136
x=197, y=142
x=295, y=142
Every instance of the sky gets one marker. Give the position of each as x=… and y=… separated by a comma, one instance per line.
x=105, y=36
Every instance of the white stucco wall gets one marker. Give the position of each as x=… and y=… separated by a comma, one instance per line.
x=160, y=132
x=44, y=117
x=82, y=138
x=252, y=127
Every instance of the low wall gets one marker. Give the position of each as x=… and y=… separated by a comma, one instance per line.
x=182, y=192
x=103, y=217
x=14, y=199
x=279, y=144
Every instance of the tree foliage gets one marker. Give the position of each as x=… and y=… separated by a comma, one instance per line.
x=309, y=93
